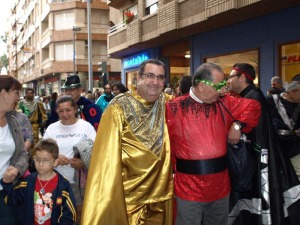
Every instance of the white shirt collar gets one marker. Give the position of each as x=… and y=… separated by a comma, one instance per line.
x=193, y=96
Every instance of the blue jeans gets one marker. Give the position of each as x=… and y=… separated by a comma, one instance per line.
x=202, y=213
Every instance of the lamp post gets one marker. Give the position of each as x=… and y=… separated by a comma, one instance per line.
x=90, y=62
x=75, y=29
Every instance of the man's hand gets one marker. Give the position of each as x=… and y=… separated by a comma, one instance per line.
x=234, y=135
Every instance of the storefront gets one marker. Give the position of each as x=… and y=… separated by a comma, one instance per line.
x=270, y=43
x=290, y=60
x=178, y=54
x=227, y=61
x=131, y=67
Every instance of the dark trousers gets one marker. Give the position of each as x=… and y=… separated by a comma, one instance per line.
x=7, y=213
x=202, y=213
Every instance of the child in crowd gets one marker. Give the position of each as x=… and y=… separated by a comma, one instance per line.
x=47, y=196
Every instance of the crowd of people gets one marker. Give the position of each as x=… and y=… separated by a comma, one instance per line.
x=152, y=155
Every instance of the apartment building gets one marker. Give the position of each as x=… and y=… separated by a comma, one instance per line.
x=48, y=40
x=186, y=33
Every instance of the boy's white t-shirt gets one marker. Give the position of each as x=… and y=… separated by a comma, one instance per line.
x=66, y=137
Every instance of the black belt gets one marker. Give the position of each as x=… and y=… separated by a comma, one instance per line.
x=206, y=166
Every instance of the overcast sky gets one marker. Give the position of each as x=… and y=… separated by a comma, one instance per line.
x=5, y=6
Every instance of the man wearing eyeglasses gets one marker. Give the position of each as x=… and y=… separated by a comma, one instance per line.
x=130, y=176
x=200, y=125
x=266, y=195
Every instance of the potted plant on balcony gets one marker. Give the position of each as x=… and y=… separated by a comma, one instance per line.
x=129, y=16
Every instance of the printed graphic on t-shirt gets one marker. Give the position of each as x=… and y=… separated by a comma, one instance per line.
x=42, y=207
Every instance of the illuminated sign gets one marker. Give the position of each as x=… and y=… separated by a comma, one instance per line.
x=135, y=60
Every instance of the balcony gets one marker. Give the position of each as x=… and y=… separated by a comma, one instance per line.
x=177, y=20
x=116, y=3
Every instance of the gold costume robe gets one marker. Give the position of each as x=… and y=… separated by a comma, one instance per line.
x=130, y=176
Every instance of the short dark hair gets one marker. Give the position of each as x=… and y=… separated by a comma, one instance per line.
x=8, y=83
x=203, y=72
x=185, y=84
x=54, y=96
x=48, y=145
x=65, y=98
x=296, y=77
x=248, y=69
x=29, y=89
x=152, y=61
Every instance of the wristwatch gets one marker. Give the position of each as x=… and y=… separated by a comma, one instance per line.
x=236, y=126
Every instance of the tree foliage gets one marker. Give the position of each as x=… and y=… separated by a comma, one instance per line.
x=4, y=37
x=3, y=61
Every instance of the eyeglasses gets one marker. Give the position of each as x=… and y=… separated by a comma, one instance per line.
x=16, y=91
x=151, y=76
x=231, y=76
x=217, y=87
x=43, y=161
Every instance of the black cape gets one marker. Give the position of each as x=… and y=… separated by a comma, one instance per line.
x=264, y=204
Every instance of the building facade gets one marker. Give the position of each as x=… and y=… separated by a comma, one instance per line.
x=186, y=33
x=48, y=40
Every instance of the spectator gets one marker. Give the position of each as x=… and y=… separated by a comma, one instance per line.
x=176, y=91
x=296, y=77
x=87, y=109
x=37, y=114
x=67, y=132
x=277, y=83
x=111, y=26
x=53, y=114
x=285, y=114
x=26, y=127
x=47, y=196
x=46, y=104
x=105, y=98
x=90, y=97
x=118, y=88
x=168, y=91
x=273, y=90
x=185, y=84
x=13, y=157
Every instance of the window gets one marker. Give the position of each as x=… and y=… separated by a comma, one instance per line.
x=290, y=61
x=227, y=61
x=151, y=6
x=63, y=52
x=64, y=21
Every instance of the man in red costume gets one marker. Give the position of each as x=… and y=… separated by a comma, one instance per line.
x=200, y=127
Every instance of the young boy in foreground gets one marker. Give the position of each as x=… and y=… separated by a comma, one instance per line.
x=46, y=195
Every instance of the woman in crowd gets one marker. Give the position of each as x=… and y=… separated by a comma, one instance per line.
x=118, y=88
x=67, y=132
x=13, y=157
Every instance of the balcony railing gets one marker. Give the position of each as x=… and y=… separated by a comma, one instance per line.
x=116, y=27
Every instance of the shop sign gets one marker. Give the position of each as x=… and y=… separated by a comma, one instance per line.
x=135, y=60
x=290, y=59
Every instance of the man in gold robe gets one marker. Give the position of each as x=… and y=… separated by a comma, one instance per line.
x=130, y=175
x=35, y=112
